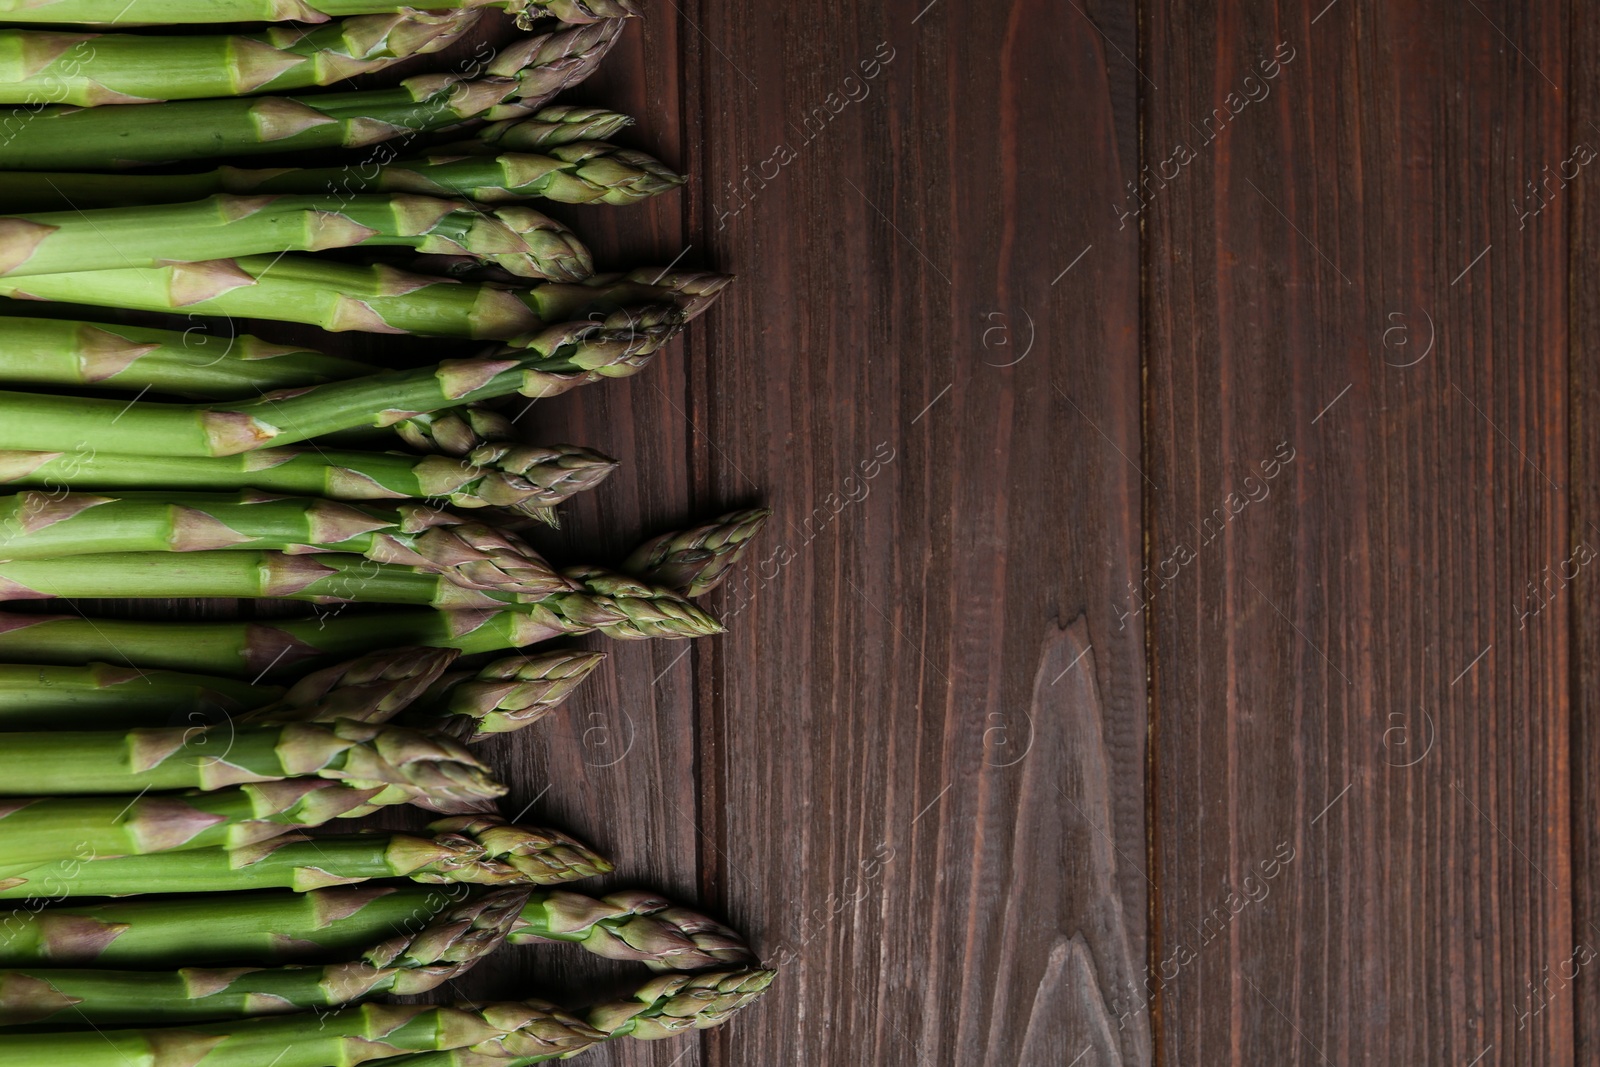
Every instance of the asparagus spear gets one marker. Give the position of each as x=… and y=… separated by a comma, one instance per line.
x=181, y=12
x=340, y=1038
x=93, y=68
x=552, y=362
x=429, y=951
x=282, y=927
x=320, y=579
x=582, y=172
x=64, y=352
x=694, y=561
x=537, y=480
x=101, y=695
x=631, y=925
x=547, y=129
x=40, y=830
x=516, y=239
x=53, y=527
x=396, y=764
x=301, y=863
x=609, y=603
x=375, y=299
x=519, y=79
x=508, y=694
x=664, y=1007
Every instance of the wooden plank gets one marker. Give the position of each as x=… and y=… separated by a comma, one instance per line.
x=1584, y=297
x=888, y=789
x=1362, y=804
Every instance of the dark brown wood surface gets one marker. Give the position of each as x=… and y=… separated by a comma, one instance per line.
x=1362, y=678
x=1175, y=641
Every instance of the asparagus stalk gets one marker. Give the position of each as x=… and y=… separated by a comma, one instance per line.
x=507, y=695
x=375, y=299
x=582, y=172
x=41, y=830
x=64, y=352
x=321, y=579
x=541, y=479
x=92, y=68
x=429, y=952
x=263, y=928
x=519, y=80
x=52, y=527
x=100, y=695
x=694, y=561
x=609, y=603
x=301, y=863
x=186, y=12
x=662, y=1008
x=340, y=1038
x=552, y=362
x=394, y=764
x=516, y=239
x=547, y=129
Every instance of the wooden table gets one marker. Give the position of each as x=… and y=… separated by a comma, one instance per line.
x=1171, y=641
x=1201, y=676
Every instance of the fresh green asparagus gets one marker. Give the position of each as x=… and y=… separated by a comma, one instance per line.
x=694, y=561
x=664, y=1007
x=631, y=925
x=612, y=604
x=87, y=69
x=544, y=482
x=375, y=299
x=275, y=927
x=428, y=951
x=40, y=830
x=100, y=695
x=519, y=240
x=103, y=355
x=548, y=129
x=182, y=12
x=319, y=579
x=375, y=687
x=300, y=863
x=54, y=526
x=342, y=1038
x=517, y=81
x=398, y=765
x=507, y=695
x=556, y=360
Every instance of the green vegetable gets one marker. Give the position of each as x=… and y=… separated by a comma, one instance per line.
x=93, y=68
x=518, y=81
x=516, y=239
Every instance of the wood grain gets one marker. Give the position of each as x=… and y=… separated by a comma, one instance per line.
x=1584, y=343
x=932, y=421
x=1343, y=670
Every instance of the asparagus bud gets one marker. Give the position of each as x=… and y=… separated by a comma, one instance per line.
x=694, y=561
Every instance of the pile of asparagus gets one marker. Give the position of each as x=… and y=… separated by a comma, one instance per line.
x=176, y=889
